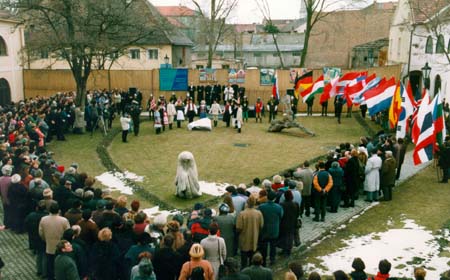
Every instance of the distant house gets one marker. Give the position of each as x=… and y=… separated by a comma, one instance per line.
x=150, y=53
x=334, y=37
x=370, y=54
x=183, y=18
x=11, y=43
x=250, y=46
x=420, y=34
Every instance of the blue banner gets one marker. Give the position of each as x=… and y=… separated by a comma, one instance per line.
x=173, y=79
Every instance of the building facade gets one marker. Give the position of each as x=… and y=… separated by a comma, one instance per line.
x=420, y=35
x=11, y=44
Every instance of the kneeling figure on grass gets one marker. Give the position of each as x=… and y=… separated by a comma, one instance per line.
x=186, y=181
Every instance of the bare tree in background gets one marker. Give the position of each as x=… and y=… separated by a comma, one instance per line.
x=435, y=18
x=215, y=24
x=85, y=33
x=269, y=27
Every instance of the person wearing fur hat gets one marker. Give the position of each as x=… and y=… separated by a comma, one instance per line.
x=196, y=253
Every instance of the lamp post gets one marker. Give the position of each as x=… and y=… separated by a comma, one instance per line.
x=166, y=61
x=426, y=70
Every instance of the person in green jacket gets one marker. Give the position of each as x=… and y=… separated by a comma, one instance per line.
x=65, y=267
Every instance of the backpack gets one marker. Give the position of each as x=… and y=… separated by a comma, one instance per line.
x=197, y=274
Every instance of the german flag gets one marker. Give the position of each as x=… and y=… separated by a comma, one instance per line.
x=303, y=82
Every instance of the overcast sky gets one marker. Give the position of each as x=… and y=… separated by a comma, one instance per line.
x=247, y=10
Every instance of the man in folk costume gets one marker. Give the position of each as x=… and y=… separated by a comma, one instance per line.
x=158, y=121
x=190, y=110
x=179, y=107
x=228, y=94
x=215, y=111
x=202, y=110
x=171, y=112
x=258, y=109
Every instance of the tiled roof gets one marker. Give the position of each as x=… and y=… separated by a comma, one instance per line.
x=176, y=22
x=422, y=10
x=175, y=11
x=245, y=27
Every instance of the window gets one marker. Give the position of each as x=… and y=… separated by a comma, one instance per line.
x=429, y=46
x=440, y=45
x=135, y=54
x=257, y=54
x=296, y=54
x=225, y=66
x=275, y=54
x=199, y=66
x=44, y=54
x=152, y=53
x=114, y=55
x=3, y=49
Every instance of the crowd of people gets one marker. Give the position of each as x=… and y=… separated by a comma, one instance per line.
x=78, y=231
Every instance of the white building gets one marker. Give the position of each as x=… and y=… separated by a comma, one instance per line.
x=11, y=43
x=420, y=34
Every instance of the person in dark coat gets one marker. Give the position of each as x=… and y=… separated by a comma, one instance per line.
x=65, y=266
x=142, y=245
x=227, y=224
x=105, y=257
x=184, y=250
x=36, y=243
x=358, y=273
x=64, y=196
x=166, y=261
x=338, y=183
x=257, y=271
x=323, y=182
x=387, y=176
x=272, y=213
x=338, y=104
x=135, y=113
x=19, y=204
x=400, y=151
x=78, y=253
x=288, y=225
x=352, y=179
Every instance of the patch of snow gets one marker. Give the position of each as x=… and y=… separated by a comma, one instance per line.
x=154, y=211
x=398, y=246
x=116, y=181
x=214, y=189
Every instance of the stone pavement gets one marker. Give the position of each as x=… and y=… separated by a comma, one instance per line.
x=20, y=262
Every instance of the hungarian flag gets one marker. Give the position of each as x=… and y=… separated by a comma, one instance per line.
x=316, y=88
x=408, y=107
x=396, y=105
x=303, y=82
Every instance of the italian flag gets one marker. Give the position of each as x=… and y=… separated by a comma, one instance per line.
x=316, y=88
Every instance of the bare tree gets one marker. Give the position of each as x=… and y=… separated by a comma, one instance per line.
x=85, y=32
x=435, y=15
x=269, y=27
x=215, y=24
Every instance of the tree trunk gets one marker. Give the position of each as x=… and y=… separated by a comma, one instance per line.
x=274, y=36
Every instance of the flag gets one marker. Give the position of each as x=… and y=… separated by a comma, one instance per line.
x=355, y=87
x=329, y=90
x=396, y=105
x=370, y=82
x=408, y=107
x=423, y=151
x=316, y=88
x=275, y=89
x=345, y=80
x=303, y=82
x=379, y=98
x=438, y=119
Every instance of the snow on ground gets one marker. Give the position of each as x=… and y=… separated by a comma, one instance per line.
x=116, y=181
x=154, y=211
x=399, y=246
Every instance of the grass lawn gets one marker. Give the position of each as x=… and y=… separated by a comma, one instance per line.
x=421, y=199
x=219, y=159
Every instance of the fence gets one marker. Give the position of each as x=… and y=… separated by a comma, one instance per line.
x=48, y=82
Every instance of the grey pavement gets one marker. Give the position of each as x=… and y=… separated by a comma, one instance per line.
x=20, y=262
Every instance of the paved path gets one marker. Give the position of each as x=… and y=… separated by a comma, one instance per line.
x=20, y=262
